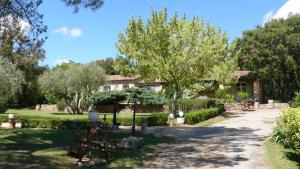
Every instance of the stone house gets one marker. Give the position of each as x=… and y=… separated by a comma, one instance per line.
x=118, y=82
x=246, y=83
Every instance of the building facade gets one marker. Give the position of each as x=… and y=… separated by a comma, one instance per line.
x=246, y=83
x=118, y=82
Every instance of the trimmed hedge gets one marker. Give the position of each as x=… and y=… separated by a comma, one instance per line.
x=188, y=105
x=201, y=115
x=157, y=119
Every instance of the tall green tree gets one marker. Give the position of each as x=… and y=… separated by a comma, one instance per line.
x=74, y=85
x=272, y=53
x=177, y=51
x=107, y=64
x=22, y=36
x=17, y=46
x=11, y=81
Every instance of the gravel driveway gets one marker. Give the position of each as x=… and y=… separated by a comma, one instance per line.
x=234, y=143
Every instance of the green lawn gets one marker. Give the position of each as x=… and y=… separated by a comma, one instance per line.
x=45, y=148
x=64, y=115
x=280, y=158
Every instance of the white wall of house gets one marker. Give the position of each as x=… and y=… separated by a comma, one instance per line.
x=119, y=87
x=110, y=87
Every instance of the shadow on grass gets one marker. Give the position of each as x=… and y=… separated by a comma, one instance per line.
x=293, y=156
x=125, y=158
x=43, y=148
x=28, y=148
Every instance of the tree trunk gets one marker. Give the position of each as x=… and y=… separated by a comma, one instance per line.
x=78, y=100
x=174, y=103
x=80, y=111
x=70, y=109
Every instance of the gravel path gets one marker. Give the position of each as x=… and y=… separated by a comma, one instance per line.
x=234, y=143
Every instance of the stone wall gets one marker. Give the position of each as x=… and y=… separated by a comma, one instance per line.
x=237, y=106
x=229, y=107
x=275, y=105
x=46, y=107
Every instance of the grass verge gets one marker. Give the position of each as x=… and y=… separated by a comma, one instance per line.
x=214, y=120
x=278, y=157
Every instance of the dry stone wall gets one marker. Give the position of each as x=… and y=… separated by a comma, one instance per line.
x=47, y=107
x=231, y=107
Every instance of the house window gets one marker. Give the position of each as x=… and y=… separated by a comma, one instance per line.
x=106, y=88
x=126, y=86
x=241, y=87
x=150, y=87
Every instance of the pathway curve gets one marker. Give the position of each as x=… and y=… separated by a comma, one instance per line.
x=234, y=143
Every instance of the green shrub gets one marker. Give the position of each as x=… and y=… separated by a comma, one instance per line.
x=145, y=97
x=3, y=107
x=3, y=104
x=243, y=96
x=148, y=97
x=50, y=98
x=61, y=105
x=287, y=131
x=197, y=116
x=188, y=105
x=296, y=100
x=224, y=95
x=109, y=97
x=157, y=119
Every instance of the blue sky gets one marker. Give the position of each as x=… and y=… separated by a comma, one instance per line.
x=88, y=36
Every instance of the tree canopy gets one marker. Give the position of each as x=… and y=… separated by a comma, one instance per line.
x=177, y=51
x=17, y=47
x=107, y=64
x=271, y=52
x=11, y=81
x=22, y=37
x=74, y=84
x=27, y=11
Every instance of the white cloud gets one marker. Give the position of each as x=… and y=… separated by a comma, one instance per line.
x=61, y=61
x=74, y=33
x=10, y=21
x=268, y=16
x=291, y=7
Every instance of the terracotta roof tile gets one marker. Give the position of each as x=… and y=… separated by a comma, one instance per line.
x=240, y=73
x=118, y=78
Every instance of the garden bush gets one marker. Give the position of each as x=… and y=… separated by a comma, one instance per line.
x=197, y=116
x=3, y=105
x=296, y=100
x=148, y=97
x=188, y=105
x=287, y=131
x=61, y=105
x=145, y=97
x=243, y=96
x=225, y=95
x=109, y=97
